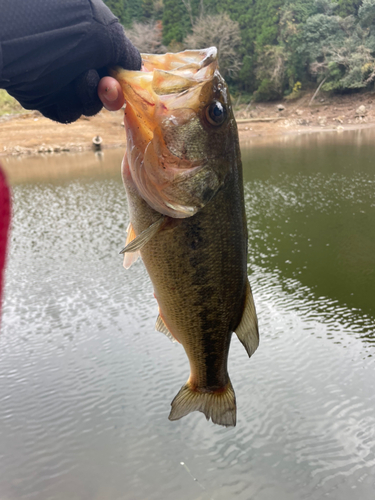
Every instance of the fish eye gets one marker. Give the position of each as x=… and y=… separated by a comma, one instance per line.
x=216, y=113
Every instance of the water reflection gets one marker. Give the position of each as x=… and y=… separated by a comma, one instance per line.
x=355, y=139
x=311, y=216
x=52, y=168
x=86, y=382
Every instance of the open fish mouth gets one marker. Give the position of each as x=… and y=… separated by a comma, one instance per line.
x=174, y=107
x=171, y=73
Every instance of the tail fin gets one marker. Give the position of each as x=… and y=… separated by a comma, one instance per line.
x=220, y=406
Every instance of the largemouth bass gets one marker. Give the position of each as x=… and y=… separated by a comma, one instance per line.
x=183, y=177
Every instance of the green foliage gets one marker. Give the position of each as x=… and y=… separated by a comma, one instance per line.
x=8, y=105
x=348, y=7
x=321, y=32
x=129, y=11
x=282, y=42
x=296, y=92
x=366, y=13
x=339, y=49
x=246, y=79
x=291, y=38
x=300, y=10
x=265, y=91
x=270, y=72
x=117, y=7
x=147, y=10
x=176, y=23
x=326, y=7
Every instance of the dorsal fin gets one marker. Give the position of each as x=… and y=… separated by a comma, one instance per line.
x=130, y=257
x=247, y=330
x=144, y=237
x=160, y=326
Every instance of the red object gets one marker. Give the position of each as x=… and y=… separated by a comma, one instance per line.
x=4, y=226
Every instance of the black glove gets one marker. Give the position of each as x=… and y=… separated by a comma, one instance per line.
x=55, y=52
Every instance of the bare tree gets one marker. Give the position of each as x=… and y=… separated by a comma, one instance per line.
x=223, y=33
x=147, y=37
x=270, y=69
x=188, y=7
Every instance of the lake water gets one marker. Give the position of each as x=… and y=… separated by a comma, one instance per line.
x=86, y=383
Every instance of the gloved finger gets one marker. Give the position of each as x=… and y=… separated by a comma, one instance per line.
x=124, y=52
x=66, y=107
x=86, y=86
x=110, y=93
x=78, y=98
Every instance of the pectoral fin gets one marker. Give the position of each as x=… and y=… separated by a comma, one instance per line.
x=144, y=237
x=130, y=257
x=160, y=326
x=247, y=330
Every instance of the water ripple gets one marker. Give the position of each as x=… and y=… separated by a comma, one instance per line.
x=86, y=383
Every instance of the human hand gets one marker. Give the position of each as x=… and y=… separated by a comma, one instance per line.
x=110, y=93
x=67, y=57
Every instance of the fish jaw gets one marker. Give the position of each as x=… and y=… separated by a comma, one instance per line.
x=168, y=136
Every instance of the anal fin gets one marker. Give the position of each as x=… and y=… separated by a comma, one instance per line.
x=247, y=330
x=130, y=257
x=160, y=326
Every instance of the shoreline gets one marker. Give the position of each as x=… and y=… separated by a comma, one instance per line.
x=32, y=134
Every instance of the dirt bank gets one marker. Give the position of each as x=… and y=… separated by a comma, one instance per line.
x=31, y=133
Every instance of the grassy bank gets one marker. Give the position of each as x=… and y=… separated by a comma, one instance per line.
x=8, y=105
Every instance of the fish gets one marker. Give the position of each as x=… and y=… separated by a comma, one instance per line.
x=182, y=173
